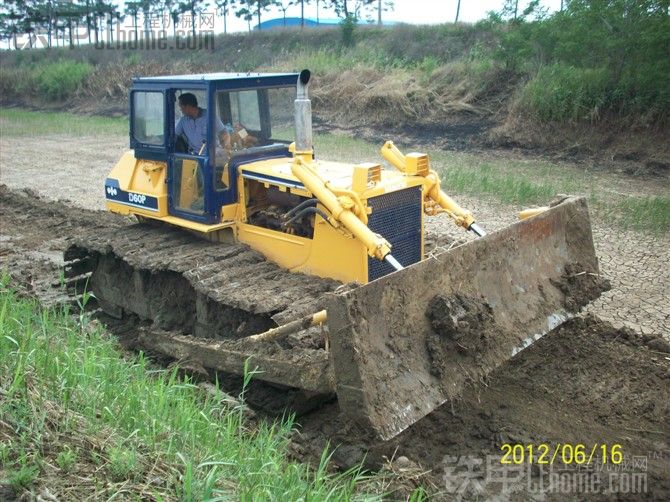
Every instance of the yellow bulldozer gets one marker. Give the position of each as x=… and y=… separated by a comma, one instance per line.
x=314, y=272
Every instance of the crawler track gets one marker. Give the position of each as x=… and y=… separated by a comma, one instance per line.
x=183, y=283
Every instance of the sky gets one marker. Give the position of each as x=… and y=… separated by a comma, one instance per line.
x=408, y=11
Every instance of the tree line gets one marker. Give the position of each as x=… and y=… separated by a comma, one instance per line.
x=59, y=22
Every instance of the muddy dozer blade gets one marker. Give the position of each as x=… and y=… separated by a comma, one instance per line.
x=406, y=343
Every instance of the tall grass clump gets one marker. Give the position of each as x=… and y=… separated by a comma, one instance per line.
x=650, y=214
x=48, y=81
x=563, y=93
x=63, y=379
x=61, y=79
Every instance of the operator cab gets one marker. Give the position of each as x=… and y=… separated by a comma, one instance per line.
x=240, y=118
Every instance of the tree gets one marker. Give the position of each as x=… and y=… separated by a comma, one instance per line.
x=114, y=15
x=343, y=10
x=284, y=6
x=302, y=4
x=101, y=9
x=223, y=8
x=245, y=14
x=195, y=7
x=174, y=17
x=9, y=22
x=133, y=10
x=72, y=14
x=383, y=6
x=251, y=7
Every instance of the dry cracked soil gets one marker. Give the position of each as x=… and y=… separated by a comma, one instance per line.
x=603, y=379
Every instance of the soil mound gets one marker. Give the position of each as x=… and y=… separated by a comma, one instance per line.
x=585, y=383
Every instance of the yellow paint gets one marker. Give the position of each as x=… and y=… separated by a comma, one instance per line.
x=352, y=220
x=332, y=253
x=144, y=177
x=366, y=175
x=339, y=248
x=527, y=213
x=202, y=228
x=229, y=213
x=336, y=254
x=289, y=251
x=189, y=190
x=435, y=199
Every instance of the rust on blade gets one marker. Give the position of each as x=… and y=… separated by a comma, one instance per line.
x=406, y=343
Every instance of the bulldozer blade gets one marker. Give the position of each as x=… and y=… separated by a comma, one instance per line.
x=408, y=342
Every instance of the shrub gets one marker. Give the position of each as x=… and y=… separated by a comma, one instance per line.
x=560, y=92
x=348, y=27
x=61, y=79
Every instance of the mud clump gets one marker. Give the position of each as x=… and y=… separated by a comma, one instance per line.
x=580, y=286
x=460, y=326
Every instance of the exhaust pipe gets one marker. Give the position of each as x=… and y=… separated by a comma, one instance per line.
x=303, y=116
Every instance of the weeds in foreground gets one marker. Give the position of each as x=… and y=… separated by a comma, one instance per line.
x=73, y=403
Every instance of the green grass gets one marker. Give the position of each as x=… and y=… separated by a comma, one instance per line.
x=60, y=79
x=61, y=380
x=510, y=182
x=650, y=214
x=16, y=122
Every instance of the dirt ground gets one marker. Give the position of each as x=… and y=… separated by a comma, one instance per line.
x=592, y=383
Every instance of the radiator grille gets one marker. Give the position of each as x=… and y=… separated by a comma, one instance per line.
x=396, y=216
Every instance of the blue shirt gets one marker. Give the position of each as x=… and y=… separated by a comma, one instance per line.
x=195, y=129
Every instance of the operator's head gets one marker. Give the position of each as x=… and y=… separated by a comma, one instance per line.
x=188, y=104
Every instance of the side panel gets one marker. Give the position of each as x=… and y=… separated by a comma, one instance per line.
x=336, y=255
x=330, y=254
x=137, y=187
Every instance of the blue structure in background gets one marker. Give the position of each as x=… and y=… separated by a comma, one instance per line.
x=293, y=22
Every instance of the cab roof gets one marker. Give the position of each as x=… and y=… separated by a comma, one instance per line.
x=244, y=79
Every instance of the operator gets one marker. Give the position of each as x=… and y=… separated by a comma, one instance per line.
x=193, y=125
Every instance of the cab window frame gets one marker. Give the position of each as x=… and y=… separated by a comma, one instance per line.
x=142, y=142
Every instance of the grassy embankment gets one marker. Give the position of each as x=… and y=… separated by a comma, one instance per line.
x=543, y=79
x=83, y=418
x=517, y=182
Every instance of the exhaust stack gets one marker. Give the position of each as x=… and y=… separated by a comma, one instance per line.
x=303, y=116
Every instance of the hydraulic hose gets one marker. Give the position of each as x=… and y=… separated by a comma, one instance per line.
x=307, y=210
x=301, y=206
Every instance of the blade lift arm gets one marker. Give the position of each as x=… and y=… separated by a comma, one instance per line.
x=435, y=199
x=345, y=209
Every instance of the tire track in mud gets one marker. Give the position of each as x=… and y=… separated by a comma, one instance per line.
x=588, y=383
